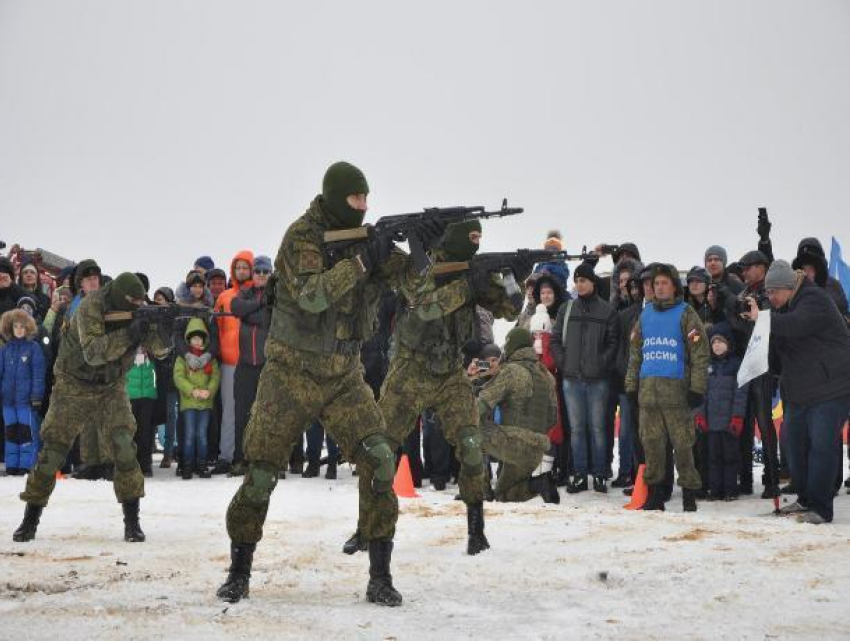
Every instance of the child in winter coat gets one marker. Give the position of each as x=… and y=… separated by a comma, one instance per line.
x=22, y=376
x=197, y=376
x=722, y=415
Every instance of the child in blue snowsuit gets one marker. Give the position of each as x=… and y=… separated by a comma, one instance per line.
x=22, y=375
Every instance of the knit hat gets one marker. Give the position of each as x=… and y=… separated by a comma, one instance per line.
x=584, y=270
x=125, y=284
x=490, y=350
x=6, y=266
x=720, y=252
x=754, y=257
x=167, y=293
x=205, y=262
x=263, y=262
x=554, y=241
x=517, y=338
x=342, y=180
x=699, y=274
x=215, y=272
x=456, y=241
x=780, y=276
x=27, y=301
x=28, y=266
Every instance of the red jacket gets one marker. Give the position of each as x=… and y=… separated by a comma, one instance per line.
x=228, y=326
x=556, y=433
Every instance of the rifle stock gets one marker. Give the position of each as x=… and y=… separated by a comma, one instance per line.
x=342, y=235
x=449, y=268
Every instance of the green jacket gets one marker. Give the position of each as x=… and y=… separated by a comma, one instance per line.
x=100, y=353
x=190, y=374
x=141, y=380
x=524, y=390
x=667, y=392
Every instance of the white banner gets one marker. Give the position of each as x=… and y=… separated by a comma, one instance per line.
x=756, y=359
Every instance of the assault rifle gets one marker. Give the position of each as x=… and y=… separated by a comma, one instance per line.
x=503, y=261
x=165, y=315
x=403, y=227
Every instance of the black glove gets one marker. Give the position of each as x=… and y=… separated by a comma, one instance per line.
x=430, y=232
x=694, y=399
x=521, y=266
x=138, y=330
x=375, y=251
x=479, y=281
x=764, y=225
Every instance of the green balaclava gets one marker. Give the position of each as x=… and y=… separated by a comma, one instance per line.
x=125, y=284
x=456, y=241
x=342, y=180
x=517, y=338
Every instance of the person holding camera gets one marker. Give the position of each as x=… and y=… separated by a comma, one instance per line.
x=810, y=348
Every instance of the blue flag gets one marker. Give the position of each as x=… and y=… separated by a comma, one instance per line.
x=838, y=269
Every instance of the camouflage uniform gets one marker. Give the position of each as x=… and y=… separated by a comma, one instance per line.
x=525, y=393
x=663, y=402
x=90, y=389
x=322, y=314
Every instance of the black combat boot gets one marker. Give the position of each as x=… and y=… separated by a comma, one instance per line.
x=354, y=544
x=132, y=530
x=577, y=484
x=689, y=500
x=311, y=471
x=235, y=587
x=600, y=484
x=477, y=542
x=26, y=531
x=545, y=486
x=380, y=589
x=330, y=473
x=654, y=499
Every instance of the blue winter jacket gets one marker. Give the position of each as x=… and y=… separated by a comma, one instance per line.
x=22, y=372
x=724, y=399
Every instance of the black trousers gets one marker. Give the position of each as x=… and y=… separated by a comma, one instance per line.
x=725, y=461
x=245, y=382
x=143, y=413
x=702, y=458
x=760, y=409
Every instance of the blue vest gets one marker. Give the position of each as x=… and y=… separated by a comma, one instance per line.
x=663, y=343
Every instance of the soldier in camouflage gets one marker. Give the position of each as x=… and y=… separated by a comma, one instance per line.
x=90, y=388
x=322, y=313
x=667, y=379
x=524, y=391
x=426, y=371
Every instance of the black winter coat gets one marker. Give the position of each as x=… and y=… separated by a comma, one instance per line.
x=255, y=316
x=724, y=400
x=626, y=320
x=810, y=346
x=591, y=342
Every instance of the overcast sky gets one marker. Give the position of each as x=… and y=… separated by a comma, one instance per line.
x=146, y=133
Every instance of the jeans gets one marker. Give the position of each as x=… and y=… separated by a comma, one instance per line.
x=813, y=432
x=315, y=435
x=168, y=432
x=195, y=427
x=627, y=437
x=586, y=402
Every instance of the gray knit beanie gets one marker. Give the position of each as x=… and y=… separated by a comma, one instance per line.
x=717, y=250
x=780, y=276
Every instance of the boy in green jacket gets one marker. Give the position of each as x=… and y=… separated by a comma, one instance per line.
x=197, y=376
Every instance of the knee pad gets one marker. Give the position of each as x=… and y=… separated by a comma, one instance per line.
x=260, y=481
x=382, y=459
x=124, y=452
x=469, y=447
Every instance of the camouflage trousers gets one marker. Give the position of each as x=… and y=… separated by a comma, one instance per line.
x=295, y=389
x=520, y=451
x=95, y=448
x=73, y=406
x=676, y=424
x=410, y=389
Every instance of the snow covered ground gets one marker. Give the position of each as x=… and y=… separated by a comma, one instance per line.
x=584, y=569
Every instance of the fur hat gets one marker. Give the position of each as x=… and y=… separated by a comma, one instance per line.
x=8, y=320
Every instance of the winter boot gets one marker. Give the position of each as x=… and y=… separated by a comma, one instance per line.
x=235, y=587
x=186, y=473
x=132, y=530
x=600, y=485
x=354, y=544
x=477, y=542
x=205, y=473
x=165, y=463
x=311, y=471
x=577, y=484
x=655, y=499
x=26, y=531
x=544, y=485
x=330, y=473
x=689, y=500
x=622, y=480
x=380, y=589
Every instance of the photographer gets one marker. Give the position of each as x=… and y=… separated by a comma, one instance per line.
x=811, y=349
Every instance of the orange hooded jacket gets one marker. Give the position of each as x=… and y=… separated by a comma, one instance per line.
x=228, y=326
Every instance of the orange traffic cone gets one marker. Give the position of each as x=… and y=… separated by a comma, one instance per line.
x=640, y=491
x=403, y=482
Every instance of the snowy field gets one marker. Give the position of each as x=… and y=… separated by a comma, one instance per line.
x=585, y=569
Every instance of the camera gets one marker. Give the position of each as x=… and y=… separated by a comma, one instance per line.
x=742, y=305
x=483, y=365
